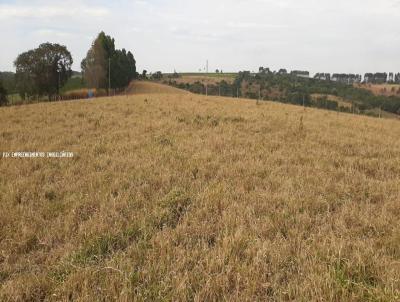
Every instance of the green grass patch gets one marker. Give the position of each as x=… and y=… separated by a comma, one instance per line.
x=99, y=248
x=74, y=83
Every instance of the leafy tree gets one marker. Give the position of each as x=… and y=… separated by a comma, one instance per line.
x=94, y=66
x=123, y=69
x=43, y=70
x=104, y=63
x=3, y=95
x=157, y=76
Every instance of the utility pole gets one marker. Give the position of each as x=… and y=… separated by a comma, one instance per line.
x=58, y=88
x=109, y=76
x=207, y=67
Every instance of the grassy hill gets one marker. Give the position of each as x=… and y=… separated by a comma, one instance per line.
x=381, y=89
x=145, y=87
x=172, y=196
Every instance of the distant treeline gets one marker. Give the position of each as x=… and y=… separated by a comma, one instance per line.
x=371, y=78
x=290, y=88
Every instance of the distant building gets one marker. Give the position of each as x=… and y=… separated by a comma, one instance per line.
x=300, y=74
x=347, y=78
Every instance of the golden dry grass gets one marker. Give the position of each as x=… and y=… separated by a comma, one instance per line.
x=204, y=79
x=179, y=197
x=341, y=101
x=147, y=87
x=381, y=89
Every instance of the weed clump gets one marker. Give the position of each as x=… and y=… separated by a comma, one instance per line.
x=173, y=207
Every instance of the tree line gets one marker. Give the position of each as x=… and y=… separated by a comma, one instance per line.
x=290, y=88
x=42, y=72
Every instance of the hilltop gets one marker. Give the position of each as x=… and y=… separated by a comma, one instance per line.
x=181, y=197
x=146, y=87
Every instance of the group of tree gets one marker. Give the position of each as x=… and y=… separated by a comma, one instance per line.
x=43, y=71
x=369, y=78
x=373, y=78
x=376, y=78
x=157, y=76
x=107, y=67
x=290, y=88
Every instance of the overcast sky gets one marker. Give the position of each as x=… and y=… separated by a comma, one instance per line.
x=316, y=35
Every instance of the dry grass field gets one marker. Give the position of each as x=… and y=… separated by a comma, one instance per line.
x=145, y=87
x=381, y=89
x=180, y=197
x=204, y=79
x=341, y=101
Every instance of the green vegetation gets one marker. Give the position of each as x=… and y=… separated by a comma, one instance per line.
x=106, y=66
x=157, y=76
x=8, y=80
x=3, y=95
x=74, y=83
x=43, y=71
x=292, y=89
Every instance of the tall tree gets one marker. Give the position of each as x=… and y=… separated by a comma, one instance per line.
x=94, y=66
x=123, y=69
x=43, y=70
x=104, y=65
